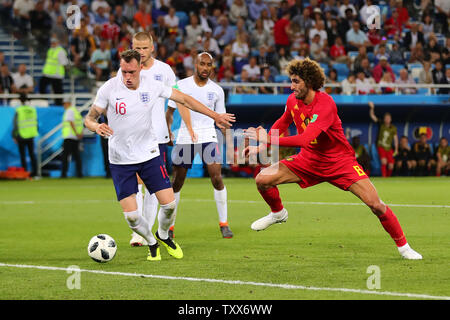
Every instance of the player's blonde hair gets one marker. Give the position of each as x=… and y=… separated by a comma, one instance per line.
x=309, y=71
x=143, y=36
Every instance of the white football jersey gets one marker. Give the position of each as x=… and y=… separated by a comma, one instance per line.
x=163, y=73
x=211, y=95
x=130, y=114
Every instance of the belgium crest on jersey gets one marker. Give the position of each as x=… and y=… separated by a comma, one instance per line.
x=145, y=97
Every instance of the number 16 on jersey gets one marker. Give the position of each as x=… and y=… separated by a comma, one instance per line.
x=121, y=108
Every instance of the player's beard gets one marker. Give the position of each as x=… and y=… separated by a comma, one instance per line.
x=203, y=76
x=301, y=94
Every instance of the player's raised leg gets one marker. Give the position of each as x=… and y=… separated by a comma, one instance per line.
x=365, y=190
x=266, y=182
x=220, y=196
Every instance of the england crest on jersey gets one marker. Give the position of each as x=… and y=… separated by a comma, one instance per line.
x=158, y=77
x=210, y=96
x=145, y=97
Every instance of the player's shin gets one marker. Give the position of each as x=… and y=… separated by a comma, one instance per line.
x=272, y=198
x=150, y=208
x=165, y=216
x=174, y=215
x=138, y=224
x=220, y=196
x=390, y=223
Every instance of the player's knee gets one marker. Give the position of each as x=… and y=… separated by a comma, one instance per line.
x=132, y=216
x=376, y=205
x=217, y=182
x=262, y=182
x=168, y=208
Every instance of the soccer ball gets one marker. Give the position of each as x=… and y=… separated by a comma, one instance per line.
x=102, y=248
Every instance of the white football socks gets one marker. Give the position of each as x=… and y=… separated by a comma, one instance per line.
x=138, y=224
x=177, y=201
x=165, y=220
x=150, y=208
x=140, y=199
x=221, y=203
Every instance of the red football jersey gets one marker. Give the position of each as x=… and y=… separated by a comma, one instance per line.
x=331, y=145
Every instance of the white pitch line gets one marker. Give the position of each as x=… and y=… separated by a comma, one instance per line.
x=233, y=282
x=77, y=201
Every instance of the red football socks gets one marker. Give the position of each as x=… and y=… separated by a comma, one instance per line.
x=272, y=197
x=392, y=226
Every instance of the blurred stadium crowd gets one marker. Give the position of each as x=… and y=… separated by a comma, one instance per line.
x=252, y=40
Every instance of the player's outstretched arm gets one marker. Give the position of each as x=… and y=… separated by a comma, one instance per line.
x=223, y=120
x=372, y=112
x=91, y=122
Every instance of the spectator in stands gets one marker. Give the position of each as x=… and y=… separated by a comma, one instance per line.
x=381, y=51
x=382, y=67
x=283, y=59
x=266, y=78
x=404, y=160
x=297, y=37
x=129, y=10
x=80, y=50
x=356, y=38
x=238, y=10
x=405, y=78
x=439, y=76
x=344, y=25
x=227, y=65
x=418, y=54
x=3, y=59
x=54, y=70
x=395, y=54
x=119, y=18
x=100, y=16
x=333, y=79
x=100, y=3
x=6, y=80
x=442, y=15
x=349, y=85
x=425, y=74
x=161, y=53
x=111, y=31
x=21, y=10
x=338, y=53
x=387, y=136
x=41, y=24
x=224, y=33
x=253, y=69
x=100, y=62
x=443, y=158
x=255, y=8
x=144, y=17
x=320, y=29
x=364, y=85
x=259, y=35
x=318, y=52
x=333, y=31
x=171, y=41
x=304, y=19
x=386, y=83
x=393, y=25
x=171, y=20
x=240, y=49
x=194, y=32
x=245, y=89
x=210, y=44
x=25, y=129
x=281, y=32
x=23, y=82
x=268, y=22
x=60, y=31
x=345, y=6
x=427, y=26
x=413, y=37
x=205, y=20
x=422, y=155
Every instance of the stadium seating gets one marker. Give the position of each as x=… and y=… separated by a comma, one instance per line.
x=396, y=69
x=341, y=69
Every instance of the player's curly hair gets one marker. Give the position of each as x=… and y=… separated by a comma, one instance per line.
x=309, y=71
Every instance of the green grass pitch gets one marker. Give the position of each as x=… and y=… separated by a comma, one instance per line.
x=324, y=250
